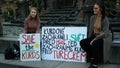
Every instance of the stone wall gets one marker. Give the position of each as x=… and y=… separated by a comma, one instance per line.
x=12, y=29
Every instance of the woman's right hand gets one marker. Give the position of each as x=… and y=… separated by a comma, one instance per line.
x=92, y=42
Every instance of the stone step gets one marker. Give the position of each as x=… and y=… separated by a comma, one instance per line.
x=63, y=9
x=55, y=15
x=44, y=19
x=116, y=29
x=58, y=12
x=43, y=22
x=5, y=65
x=56, y=18
x=66, y=24
x=114, y=19
x=50, y=15
x=114, y=24
x=27, y=64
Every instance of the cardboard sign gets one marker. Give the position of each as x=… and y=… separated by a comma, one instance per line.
x=30, y=47
x=62, y=43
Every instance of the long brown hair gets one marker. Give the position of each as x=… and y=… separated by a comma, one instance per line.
x=102, y=7
x=37, y=15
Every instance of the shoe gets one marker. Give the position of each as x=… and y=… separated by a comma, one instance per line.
x=92, y=66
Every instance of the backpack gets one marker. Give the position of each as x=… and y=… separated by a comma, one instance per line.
x=12, y=52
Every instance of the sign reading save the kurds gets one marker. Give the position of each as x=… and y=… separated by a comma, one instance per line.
x=30, y=47
x=62, y=43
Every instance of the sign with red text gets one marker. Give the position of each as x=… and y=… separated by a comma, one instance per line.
x=62, y=43
x=30, y=47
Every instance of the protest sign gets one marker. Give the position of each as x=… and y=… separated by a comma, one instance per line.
x=30, y=47
x=62, y=43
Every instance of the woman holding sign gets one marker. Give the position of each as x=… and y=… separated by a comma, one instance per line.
x=97, y=45
x=32, y=22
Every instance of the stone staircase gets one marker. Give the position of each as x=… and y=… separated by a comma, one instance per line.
x=66, y=16
x=60, y=17
x=115, y=27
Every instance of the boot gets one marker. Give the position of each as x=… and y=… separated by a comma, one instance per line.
x=92, y=66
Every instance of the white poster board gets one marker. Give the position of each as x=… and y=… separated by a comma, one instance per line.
x=62, y=43
x=30, y=47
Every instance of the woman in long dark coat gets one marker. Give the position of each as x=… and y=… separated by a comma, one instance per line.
x=99, y=37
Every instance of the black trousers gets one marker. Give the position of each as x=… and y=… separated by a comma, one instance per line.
x=93, y=51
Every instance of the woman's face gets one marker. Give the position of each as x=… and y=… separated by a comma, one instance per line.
x=33, y=13
x=96, y=9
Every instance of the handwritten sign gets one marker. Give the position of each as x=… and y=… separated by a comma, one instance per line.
x=62, y=43
x=30, y=47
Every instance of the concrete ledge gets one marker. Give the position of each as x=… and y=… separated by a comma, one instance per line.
x=7, y=38
x=116, y=42
x=14, y=24
x=47, y=64
x=29, y=64
x=6, y=42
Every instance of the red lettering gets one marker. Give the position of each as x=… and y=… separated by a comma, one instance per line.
x=31, y=55
x=83, y=55
x=25, y=40
x=69, y=55
x=28, y=39
x=61, y=54
x=60, y=42
x=65, y=54
x=32, y=38
x=24, y=55
x=55, y=54
x=76, y=56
